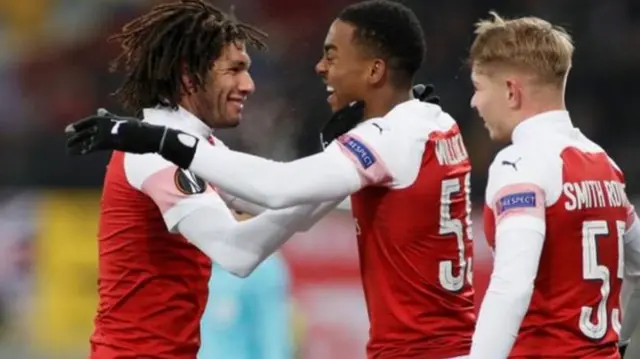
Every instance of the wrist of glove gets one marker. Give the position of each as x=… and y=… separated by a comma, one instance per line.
x=345, y=119
x=106, y=131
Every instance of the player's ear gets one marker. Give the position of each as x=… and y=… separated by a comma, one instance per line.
x=377, y=71
x=185, y=79
x=513, y=93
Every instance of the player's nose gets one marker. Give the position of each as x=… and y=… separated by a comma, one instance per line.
x=321, y=67
x=472, y=102
x=246, y=85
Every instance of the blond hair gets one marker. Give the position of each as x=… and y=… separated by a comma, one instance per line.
x=527, y=43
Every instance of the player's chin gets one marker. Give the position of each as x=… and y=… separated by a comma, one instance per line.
x=233, y=116
x=332, y=100
x=233, y=122
x=336, y=103
x=498, y=136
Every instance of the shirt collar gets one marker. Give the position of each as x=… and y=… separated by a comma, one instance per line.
x=178, y=118
x=556, y=121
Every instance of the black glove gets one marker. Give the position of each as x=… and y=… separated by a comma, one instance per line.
x=426, y=93
x=106, y=131
x=341, y=122
x=349, y=116
x=623, y=348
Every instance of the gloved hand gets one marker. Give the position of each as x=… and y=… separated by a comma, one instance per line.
x=349, y=116
x=426, y=93
x=341, y=122
x=105, y=131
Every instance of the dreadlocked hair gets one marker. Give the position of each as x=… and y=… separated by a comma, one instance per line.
x=181, y=35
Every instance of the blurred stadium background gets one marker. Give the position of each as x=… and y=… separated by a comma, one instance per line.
x=53, y=69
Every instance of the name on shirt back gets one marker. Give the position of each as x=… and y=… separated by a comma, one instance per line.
x=593, y=194
x=450, y=150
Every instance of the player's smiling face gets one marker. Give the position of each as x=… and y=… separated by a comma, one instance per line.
x=227, y=86
x=343, y=66
x=491, y=100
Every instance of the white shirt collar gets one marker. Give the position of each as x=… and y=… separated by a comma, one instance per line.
x=557, y=120
x=179, y=119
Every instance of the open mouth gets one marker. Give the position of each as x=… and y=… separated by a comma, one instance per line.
x=331, y=91
x=237, y=101
x=237, y=106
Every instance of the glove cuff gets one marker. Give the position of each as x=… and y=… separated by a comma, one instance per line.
x=178, y=147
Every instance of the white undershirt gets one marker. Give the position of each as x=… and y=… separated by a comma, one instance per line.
x=239, y=247
x=519, y=242
x=325, y=176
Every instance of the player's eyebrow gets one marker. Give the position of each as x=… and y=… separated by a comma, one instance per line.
x=330, y=47
x=243, y=64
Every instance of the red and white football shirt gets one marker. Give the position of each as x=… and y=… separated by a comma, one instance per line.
x=556, y=213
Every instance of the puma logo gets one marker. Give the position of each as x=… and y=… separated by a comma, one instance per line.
x=116, y=126
x=512, y=164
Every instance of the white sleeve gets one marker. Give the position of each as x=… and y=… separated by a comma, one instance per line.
x=194, y=209
x=241, y=205
x=363, y=157
x=176, y=192
x=505, y=303
x=631, y=304
x=239, y=247
x=320, y=211
x=233, y=202
x=326, y=176
x=517, y=194
x=386, y=151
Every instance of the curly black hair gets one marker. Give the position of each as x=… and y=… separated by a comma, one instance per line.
x=177, y=36
x=391, y=31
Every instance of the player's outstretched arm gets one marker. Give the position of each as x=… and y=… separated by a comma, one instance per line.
x=631, y=303
x=367, y=155
x=378, y=152
x=516, y=197
x=246, y=207
x=371, y=154
x=327, y=176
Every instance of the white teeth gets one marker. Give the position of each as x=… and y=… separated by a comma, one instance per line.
x=330, y=89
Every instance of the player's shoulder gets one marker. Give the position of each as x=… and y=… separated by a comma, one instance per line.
x=587, y=145
x=519, y=164
x=140, y=167
x=410, y=119
x=509, y=159
x=415, y=114
x=525, y=159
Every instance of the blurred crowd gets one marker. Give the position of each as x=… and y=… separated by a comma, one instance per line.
x=54, y=68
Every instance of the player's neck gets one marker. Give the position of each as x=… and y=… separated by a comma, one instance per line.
x=383, y=101
x=544, y=102
x=191, y=107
